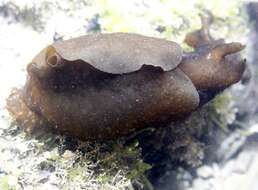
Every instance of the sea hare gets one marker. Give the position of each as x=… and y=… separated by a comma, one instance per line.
x=105, y=86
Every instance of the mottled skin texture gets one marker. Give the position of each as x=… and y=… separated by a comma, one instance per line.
x=111, y=106
x=123, y=85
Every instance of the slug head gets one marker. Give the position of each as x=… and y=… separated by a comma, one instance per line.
x=214, y=65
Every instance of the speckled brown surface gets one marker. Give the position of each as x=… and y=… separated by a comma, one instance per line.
x=24, y=165
x=108, y=85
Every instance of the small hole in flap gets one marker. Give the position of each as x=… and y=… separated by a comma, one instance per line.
x=53, y=61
